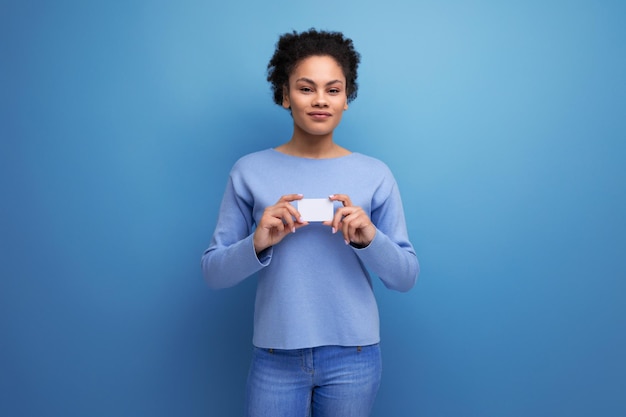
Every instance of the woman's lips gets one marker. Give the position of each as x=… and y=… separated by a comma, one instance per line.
x=319, y=115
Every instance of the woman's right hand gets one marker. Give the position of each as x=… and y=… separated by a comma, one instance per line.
x=277, y=222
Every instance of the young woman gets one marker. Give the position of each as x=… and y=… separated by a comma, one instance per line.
x=316, y=326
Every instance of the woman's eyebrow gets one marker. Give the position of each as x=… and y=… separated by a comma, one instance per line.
x=310, y=81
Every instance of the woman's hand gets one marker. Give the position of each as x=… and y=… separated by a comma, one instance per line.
x=277, y=222
x=352, y=221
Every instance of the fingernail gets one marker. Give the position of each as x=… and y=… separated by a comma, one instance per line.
x=293, y=229
x=347, y=242
x=334, y=230
x=301, y=219
x=331, y=196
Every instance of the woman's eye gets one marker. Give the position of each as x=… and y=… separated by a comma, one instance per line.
x=305, y=89
x=334, y=91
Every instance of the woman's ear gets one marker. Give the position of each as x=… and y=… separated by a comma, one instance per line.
x=286, y=102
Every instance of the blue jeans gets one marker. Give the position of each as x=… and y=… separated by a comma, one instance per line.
x=326, y=381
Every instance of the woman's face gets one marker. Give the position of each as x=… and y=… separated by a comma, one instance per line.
x=316, y=95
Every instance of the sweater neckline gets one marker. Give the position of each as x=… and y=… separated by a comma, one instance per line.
x=302, y=158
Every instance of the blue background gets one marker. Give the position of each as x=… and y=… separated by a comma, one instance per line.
x=504, y=123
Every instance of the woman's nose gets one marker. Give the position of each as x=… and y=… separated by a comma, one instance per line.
x=320, y=100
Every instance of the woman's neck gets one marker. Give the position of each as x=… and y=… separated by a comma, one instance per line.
x=313, y=151
x=315, y=147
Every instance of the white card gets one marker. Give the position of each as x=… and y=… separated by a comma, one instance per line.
x=316, y=209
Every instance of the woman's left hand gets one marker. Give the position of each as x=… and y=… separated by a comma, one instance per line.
x=352, y=222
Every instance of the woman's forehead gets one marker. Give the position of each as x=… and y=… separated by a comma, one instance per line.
x=318, y=68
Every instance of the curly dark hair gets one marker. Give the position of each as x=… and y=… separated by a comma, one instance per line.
x=293, y=47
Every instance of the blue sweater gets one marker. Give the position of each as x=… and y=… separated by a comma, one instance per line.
x=313, y=289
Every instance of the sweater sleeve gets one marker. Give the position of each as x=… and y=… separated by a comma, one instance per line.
x=231, y=257
x=390, y=255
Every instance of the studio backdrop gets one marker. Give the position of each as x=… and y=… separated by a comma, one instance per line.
x=503, y=123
